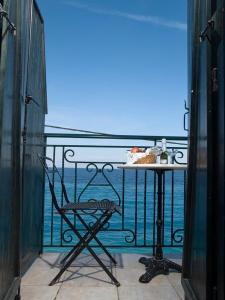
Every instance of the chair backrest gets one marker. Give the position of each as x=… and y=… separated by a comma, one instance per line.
x=50, y=168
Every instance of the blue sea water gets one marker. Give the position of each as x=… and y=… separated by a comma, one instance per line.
x=136, y=193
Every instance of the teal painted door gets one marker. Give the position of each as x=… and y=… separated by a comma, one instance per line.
x=9, y=204
x=34, y=118
x=203, y=264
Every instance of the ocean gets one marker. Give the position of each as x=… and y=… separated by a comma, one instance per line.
x=134, y=231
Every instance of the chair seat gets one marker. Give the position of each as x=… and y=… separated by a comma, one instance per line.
x=92, y=205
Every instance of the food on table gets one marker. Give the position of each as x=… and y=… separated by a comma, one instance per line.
x=133, y=156
x=136, y=150
x=147, y=159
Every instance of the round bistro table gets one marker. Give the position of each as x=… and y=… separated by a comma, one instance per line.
x=158, y=264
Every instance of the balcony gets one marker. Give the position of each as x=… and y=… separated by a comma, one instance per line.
x=128, y=73
x=90, y=171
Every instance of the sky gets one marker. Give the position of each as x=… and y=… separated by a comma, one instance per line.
x=116, y=66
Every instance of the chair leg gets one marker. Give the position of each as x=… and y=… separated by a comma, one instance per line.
x=74, y=256
x=73, y=249
x=65, y=267
x=93, y=233
x=94, y=254
x=96, y=239
x=100, y=244
x=81, y=247
x=103, y=266
x=83, y=243
x=79, y=243
x=106, y=251
x=68, y=254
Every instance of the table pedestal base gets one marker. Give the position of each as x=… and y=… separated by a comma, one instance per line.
x=156, y=267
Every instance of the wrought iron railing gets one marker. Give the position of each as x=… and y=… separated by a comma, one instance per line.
x=135, y=191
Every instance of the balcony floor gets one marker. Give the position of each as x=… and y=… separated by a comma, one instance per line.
x=85, y=280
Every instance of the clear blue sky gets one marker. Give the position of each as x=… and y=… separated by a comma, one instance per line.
x=116, y=66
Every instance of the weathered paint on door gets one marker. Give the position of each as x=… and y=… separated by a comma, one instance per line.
x=203, y=269
x=9, y=205
x=34, y=119
x=22, y=72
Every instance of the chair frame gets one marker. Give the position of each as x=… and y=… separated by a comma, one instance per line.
x=107, y=208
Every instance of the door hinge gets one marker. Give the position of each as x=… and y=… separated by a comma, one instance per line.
x=11, y=27
x=213, y=31
x=205, y=33
x=215, y=83
x=29, y=99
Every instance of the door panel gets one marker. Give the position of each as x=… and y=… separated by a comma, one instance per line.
x=203, y=267
x=195, y=251
x=9, y=209
x=33, y=144
x=218, y=97
x=20, y=221
x=198, y=248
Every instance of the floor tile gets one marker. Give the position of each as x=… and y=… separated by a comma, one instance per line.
x=40, y=278
x=132, y=261
x=130, y=277
x=52, y=258
x=86, y=280
x=90, y=293
x=152, y=292
x=87, y=260
x=42, y=264
x=87, y=276
x=81, y=260
x=40, y=274
x=175, y=281
x=39, y=292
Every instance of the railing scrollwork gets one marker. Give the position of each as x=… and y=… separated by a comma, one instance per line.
x=177, y=235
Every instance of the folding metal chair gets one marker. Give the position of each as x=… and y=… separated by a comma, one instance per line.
x=105, y=207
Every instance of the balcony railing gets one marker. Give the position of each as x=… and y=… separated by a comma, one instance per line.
x=135, y=191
